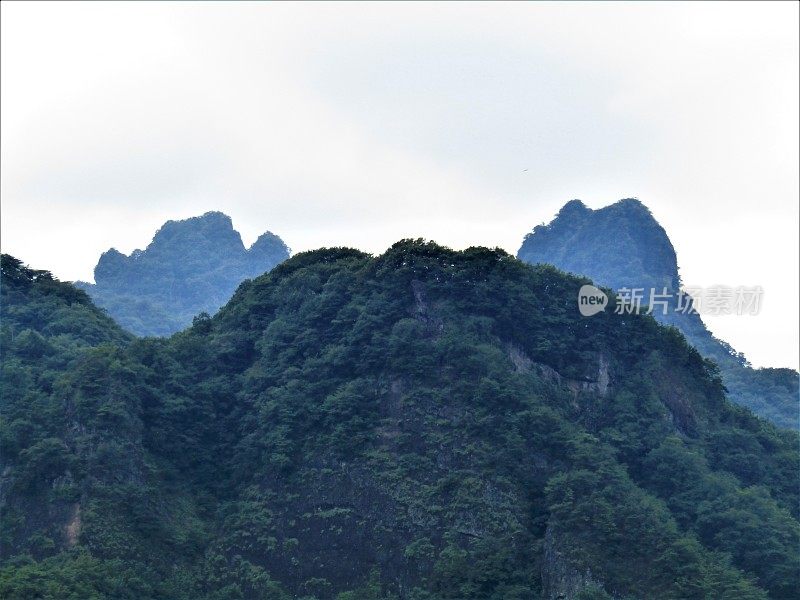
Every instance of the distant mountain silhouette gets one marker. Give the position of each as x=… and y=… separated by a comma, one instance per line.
x=622, y=245
x=191, y=266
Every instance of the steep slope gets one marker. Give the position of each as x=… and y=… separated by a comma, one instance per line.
x=48, y=329
x=36, y=306
x=622, y=245
x=79, y=498
x=423, y=424
x=191, y=266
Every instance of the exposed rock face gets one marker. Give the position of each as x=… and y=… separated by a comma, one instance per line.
x=73, y=528
x=560, y=579
x=191, y=266
x=597, y=382
x=622, y=245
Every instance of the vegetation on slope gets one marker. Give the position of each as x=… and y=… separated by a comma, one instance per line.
x=622, y=245
x=423, y=424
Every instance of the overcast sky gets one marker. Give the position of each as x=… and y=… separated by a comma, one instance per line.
x=358, y=125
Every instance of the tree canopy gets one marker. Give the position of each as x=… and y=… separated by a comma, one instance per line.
x=423, y=424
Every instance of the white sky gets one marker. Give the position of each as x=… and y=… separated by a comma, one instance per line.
x=357, y=125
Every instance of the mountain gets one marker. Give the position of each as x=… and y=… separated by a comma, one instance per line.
x=425, y=424
x=191, y=266
x=623, y=246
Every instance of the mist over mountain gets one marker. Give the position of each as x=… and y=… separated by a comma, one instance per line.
x=191, y=266
x=425, y=424
x=623, y=246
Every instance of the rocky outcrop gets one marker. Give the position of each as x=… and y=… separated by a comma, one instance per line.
x=618, y=245
x=561, y=580
x=597, y=382
x=191, y=266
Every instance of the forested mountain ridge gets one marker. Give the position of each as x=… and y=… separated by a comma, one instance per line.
x=423, y=424
x=191, y=266
x=623, y=246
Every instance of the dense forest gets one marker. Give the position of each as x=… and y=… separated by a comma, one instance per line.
x=622, y=245
x=424, y=424
x=191, y=266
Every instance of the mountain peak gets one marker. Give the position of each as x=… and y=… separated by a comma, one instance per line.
x=191, y=266
x=267, y=243
x=210, y=222
x=199, y=234
x=574, y=207
x=620, y=245
x=632, y=204
x=631, y=208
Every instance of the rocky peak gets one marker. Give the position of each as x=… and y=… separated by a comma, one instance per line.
x=192, y=265
x=621, y=245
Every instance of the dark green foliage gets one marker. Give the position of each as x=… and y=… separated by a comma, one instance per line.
x=425, y=424
x=73, y=576
x=191, y=266
x=622, y=245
